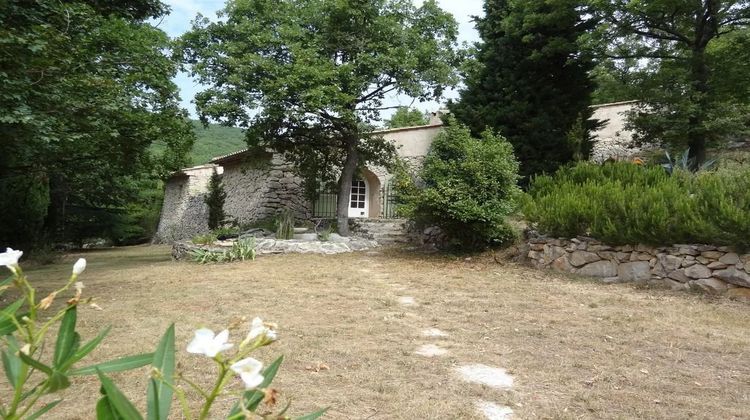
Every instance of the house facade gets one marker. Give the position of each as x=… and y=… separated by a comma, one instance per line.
x=261, y=184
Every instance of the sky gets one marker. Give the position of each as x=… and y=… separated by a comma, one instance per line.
x=184, y=11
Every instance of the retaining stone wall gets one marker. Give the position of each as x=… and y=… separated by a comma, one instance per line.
x=716, y=270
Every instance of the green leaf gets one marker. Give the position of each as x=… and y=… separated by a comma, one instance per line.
x=66, y=338
x=253, y=397
x=313, y=416
x=117, y=400
x=105, y=411
x=57, y=381
x=86, y=349
x=35, y=364
x=43, y=410
x=117, y=365
x=159, y=396
x=7, y=315
x=11, y=362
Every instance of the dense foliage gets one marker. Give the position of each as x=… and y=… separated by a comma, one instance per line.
x=85, y=92
x=623, y=203
x=467, y=187
x=406, y=117
x=687, y=64
x=309, y=78
x=530, y=80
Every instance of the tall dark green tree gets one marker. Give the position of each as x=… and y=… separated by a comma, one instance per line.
x=530, y=81
x=686, y=94
x=309, y=78
x=215, y=201
x=86, y=91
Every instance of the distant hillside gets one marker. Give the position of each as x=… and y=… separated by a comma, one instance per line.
x=215, y=140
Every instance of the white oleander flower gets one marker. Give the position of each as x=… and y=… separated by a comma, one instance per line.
x=208, y=344
x=249, y=371
x=10, y=258
x=79, y=266
x=258, y=328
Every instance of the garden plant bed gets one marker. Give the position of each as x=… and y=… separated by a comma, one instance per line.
x=574, y=348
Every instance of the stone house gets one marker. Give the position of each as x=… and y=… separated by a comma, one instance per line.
x=261, y=184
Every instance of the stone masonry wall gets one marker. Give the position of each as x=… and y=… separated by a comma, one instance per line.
x=716, y=270
x=261, y=188
x=184, y=213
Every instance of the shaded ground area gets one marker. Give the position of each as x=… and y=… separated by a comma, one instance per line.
x=575, y=348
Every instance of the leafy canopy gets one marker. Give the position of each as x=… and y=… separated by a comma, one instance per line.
x=309, y=77
x=86, y=92
x=688, y=61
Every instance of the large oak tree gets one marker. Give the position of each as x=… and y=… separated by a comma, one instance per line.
x=309, y=78
x=686, y=52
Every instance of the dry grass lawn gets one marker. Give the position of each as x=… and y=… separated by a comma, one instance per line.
x=577, y=349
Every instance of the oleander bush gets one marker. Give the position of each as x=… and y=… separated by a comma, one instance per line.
x=624, y=203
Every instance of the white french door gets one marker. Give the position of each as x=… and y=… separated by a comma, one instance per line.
x=358, y=202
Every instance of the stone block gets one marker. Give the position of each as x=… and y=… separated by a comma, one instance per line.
x=670, y=262
x=562, y=264
x=714, y=255
x=687, y=250
x=623, y=256
x=579, y=258
x=679, y=275
x=716, y=265
x=697, y=271
x=730, y=258
x=703, y=260
x=734, y=276
x=598, y=269
x=634, y=271
x=711, y=285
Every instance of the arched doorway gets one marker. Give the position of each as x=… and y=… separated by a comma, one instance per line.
x=364, y=198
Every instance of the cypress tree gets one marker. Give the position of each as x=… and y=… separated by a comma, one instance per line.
x=215, y=201
x=530, y=81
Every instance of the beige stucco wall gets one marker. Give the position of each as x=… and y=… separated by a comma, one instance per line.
x=412, y=141
x=612, y=140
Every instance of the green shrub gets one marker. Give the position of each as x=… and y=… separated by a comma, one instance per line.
x=204, y=239
x=467, y=187
x=622, y=203
x=225, y=231
x=285, y=225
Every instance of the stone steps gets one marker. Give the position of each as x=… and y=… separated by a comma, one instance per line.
x=384, y=231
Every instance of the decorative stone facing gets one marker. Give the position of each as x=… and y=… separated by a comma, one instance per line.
x=708, y=268
x=260, y=188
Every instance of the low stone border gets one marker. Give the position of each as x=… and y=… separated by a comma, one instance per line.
x=708, y=268
x=181, y=250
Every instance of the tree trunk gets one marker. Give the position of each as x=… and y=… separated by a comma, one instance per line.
x=345, y=187
x=697, y=136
